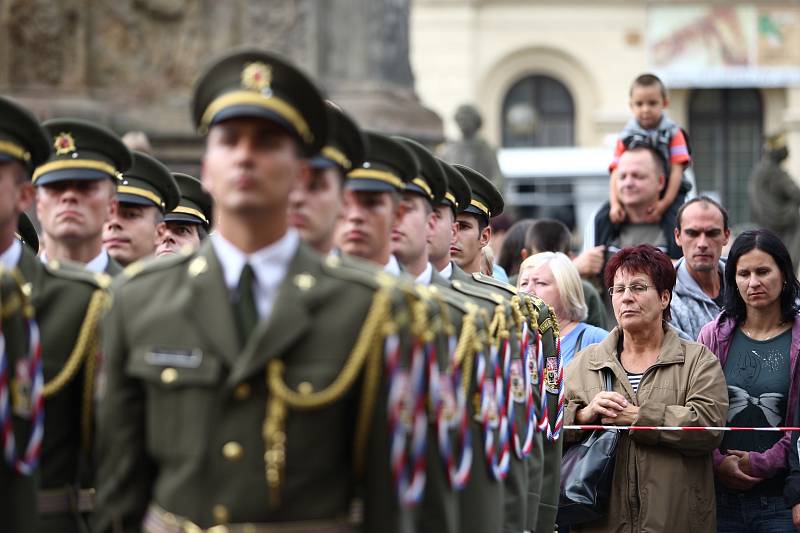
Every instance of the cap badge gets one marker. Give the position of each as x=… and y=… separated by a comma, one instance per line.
x=64, y=143
x=257, y=76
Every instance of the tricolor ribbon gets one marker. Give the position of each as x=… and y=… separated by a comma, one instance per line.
x=458, y=472
x=26, y=464
x=560, y=416
x=524, y=447
x=492, y=394
x=408, y=466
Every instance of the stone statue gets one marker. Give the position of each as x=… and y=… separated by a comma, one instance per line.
x=775, y=196
x=473, y=150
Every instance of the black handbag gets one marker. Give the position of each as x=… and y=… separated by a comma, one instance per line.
x=587, y=471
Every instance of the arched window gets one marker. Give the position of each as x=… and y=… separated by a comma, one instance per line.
x=538, y=111
x=725, y=128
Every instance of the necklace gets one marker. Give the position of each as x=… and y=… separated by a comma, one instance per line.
x=768, y=337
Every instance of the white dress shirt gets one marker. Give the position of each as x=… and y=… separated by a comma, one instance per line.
x=269, y=265
x=10, y=258
x=447, y=272
x=392, y=267
x=98, y=264
x=427, y=275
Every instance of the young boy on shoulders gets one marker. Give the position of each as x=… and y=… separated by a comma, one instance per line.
x=651, y=126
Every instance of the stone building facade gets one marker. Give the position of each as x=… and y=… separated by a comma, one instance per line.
x=131, y=64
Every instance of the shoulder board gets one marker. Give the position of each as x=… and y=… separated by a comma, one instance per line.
x=528, y=299
x=359, y=271
x=478, y=292
x=76, y=272
x=489, y=280
x=155, y=264
x=451, y=298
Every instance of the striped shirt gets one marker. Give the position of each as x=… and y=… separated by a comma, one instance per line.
x=634, y=379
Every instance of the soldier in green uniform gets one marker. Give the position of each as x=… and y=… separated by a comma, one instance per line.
x=67, y=304
x=189, y=223
x=414, y=228
x=244, y=381
x=542, y=484
x=146, y=193
x=455, y=200
x=315, y=205
x=76, y=192
x=473, y=229
x=372, y=198
x=23, y=144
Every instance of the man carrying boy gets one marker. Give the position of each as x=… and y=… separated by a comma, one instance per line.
x=650, y=126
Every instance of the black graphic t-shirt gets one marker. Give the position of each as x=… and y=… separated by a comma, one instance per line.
x=757, y=373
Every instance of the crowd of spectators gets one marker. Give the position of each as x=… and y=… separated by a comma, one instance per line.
x=691, y=335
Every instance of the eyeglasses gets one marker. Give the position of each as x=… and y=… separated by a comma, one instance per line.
x=636, y=289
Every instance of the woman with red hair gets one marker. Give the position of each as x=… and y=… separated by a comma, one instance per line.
x=663, y=481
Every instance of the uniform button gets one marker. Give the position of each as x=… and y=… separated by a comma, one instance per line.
x=232, y=451
x=168, y=375
x=221, y=514
x=242, y=391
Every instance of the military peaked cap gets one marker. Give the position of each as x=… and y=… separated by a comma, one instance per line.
x=388, y=167
x=346, y=147
x=458, y=193
x=196, y=205
x=83, y=151
x=148, y=182
x=255, y=83
x=431, y=181
x=21, y=137
x=486, y=199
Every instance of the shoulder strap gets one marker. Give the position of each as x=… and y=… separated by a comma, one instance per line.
x=578, y=342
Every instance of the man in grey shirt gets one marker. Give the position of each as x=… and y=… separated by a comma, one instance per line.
x=702, y=232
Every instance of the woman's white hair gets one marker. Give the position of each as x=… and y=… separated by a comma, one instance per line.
x=568, y=281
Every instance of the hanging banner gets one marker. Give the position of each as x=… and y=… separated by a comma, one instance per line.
x=724, y=46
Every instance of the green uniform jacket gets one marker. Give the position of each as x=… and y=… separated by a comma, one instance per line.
x=61, y=296
x=182, y=422
x=541, y=484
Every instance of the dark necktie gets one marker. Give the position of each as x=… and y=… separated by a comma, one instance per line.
x=244, y=304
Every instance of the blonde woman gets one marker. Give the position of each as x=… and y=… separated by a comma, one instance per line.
x=554, y=279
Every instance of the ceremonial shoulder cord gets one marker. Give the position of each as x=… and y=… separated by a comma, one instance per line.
x=281, y=397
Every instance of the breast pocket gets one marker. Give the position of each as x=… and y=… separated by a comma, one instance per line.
x=182, y=393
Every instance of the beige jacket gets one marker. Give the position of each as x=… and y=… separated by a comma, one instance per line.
x=663, y=481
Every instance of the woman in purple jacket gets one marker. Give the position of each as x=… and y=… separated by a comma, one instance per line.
x=757, y=339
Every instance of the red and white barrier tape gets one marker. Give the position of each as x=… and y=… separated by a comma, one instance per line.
x=590, y=427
